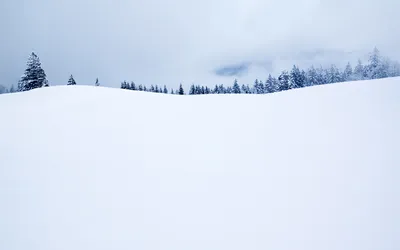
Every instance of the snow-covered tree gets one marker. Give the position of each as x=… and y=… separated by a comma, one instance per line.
x=333, y=74
x=297, y=78
x=312, y=76
x=347, y=73
x=258, y=87
x=97, y=82
x=12, y=89
x=359, y=71
x=133, y=86
x=283, y=81
x=34, y=76
x=165, y=90
x=181, y=90
x=3, y=89
x=71, y=81
x=236, y=87
x=271, y=84
x=376, y=68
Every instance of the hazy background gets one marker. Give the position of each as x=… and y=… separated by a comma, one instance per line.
x=168, y=42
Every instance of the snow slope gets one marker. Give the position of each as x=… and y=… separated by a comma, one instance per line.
x=99, y=168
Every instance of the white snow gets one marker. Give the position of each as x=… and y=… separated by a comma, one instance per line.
x=98, y=168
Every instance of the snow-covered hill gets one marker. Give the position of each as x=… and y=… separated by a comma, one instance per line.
x=99, y=168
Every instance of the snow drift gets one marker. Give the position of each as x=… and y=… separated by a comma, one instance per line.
x=99, y=168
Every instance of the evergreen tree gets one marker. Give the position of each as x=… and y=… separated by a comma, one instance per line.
x=156, y=89
x=283, y=81
x=271, y=84
x=133, y=86
x=172, y=92
x=152, y=89
x=221, y=89
x=321, y=76
x=216, y=90
x=359, y=71
x=97, y=82
x=71, y=81
x=347, y=73
x=296, y=78
x=145, y=88
x=192, y=90
x=3, y=89
x=181, y=90
x=207, y=90
x=375, y=67
x=312, y=76
x=236, y=87
x=258, y=87
x=12, y=89
x=140, y=87
x=34, y=76
x=333, y=75
x=165, y=90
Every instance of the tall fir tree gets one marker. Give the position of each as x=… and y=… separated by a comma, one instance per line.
x=236, y=87
x=165, y=91
x=359, y=71
x=271, y=84
x=348, y=73
x=284, y=81
x=296, y=78
x=34, y=76
x=71, y=81
x=181, y=90
x=133, y=86
x=97, y=82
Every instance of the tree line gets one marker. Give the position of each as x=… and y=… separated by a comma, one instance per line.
x=376, y=68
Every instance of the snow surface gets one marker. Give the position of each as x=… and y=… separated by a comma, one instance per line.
x=99, y=168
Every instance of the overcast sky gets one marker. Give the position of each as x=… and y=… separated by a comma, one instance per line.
x=168, y=42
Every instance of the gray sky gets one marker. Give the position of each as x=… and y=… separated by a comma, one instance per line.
x=168, y=42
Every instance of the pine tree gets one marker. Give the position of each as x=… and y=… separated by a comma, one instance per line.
x=296, y=79
x=34, y=76
x=172, y=92
x=145, y=88
x=71, y=81
x=236, y=87
x=181, y=91
x=312, y=76
x=333, y=75
x=271, y=84
x=133, y=86
x=375, y=65
x=97, y=82
x=12, y=89
x=140, y=88
x=216, y=89
x=192, y=90
x=3, y=89
x=165, y=90
x=283, y=81
x=347, y=73
x=359, y=72
x=321, y=76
